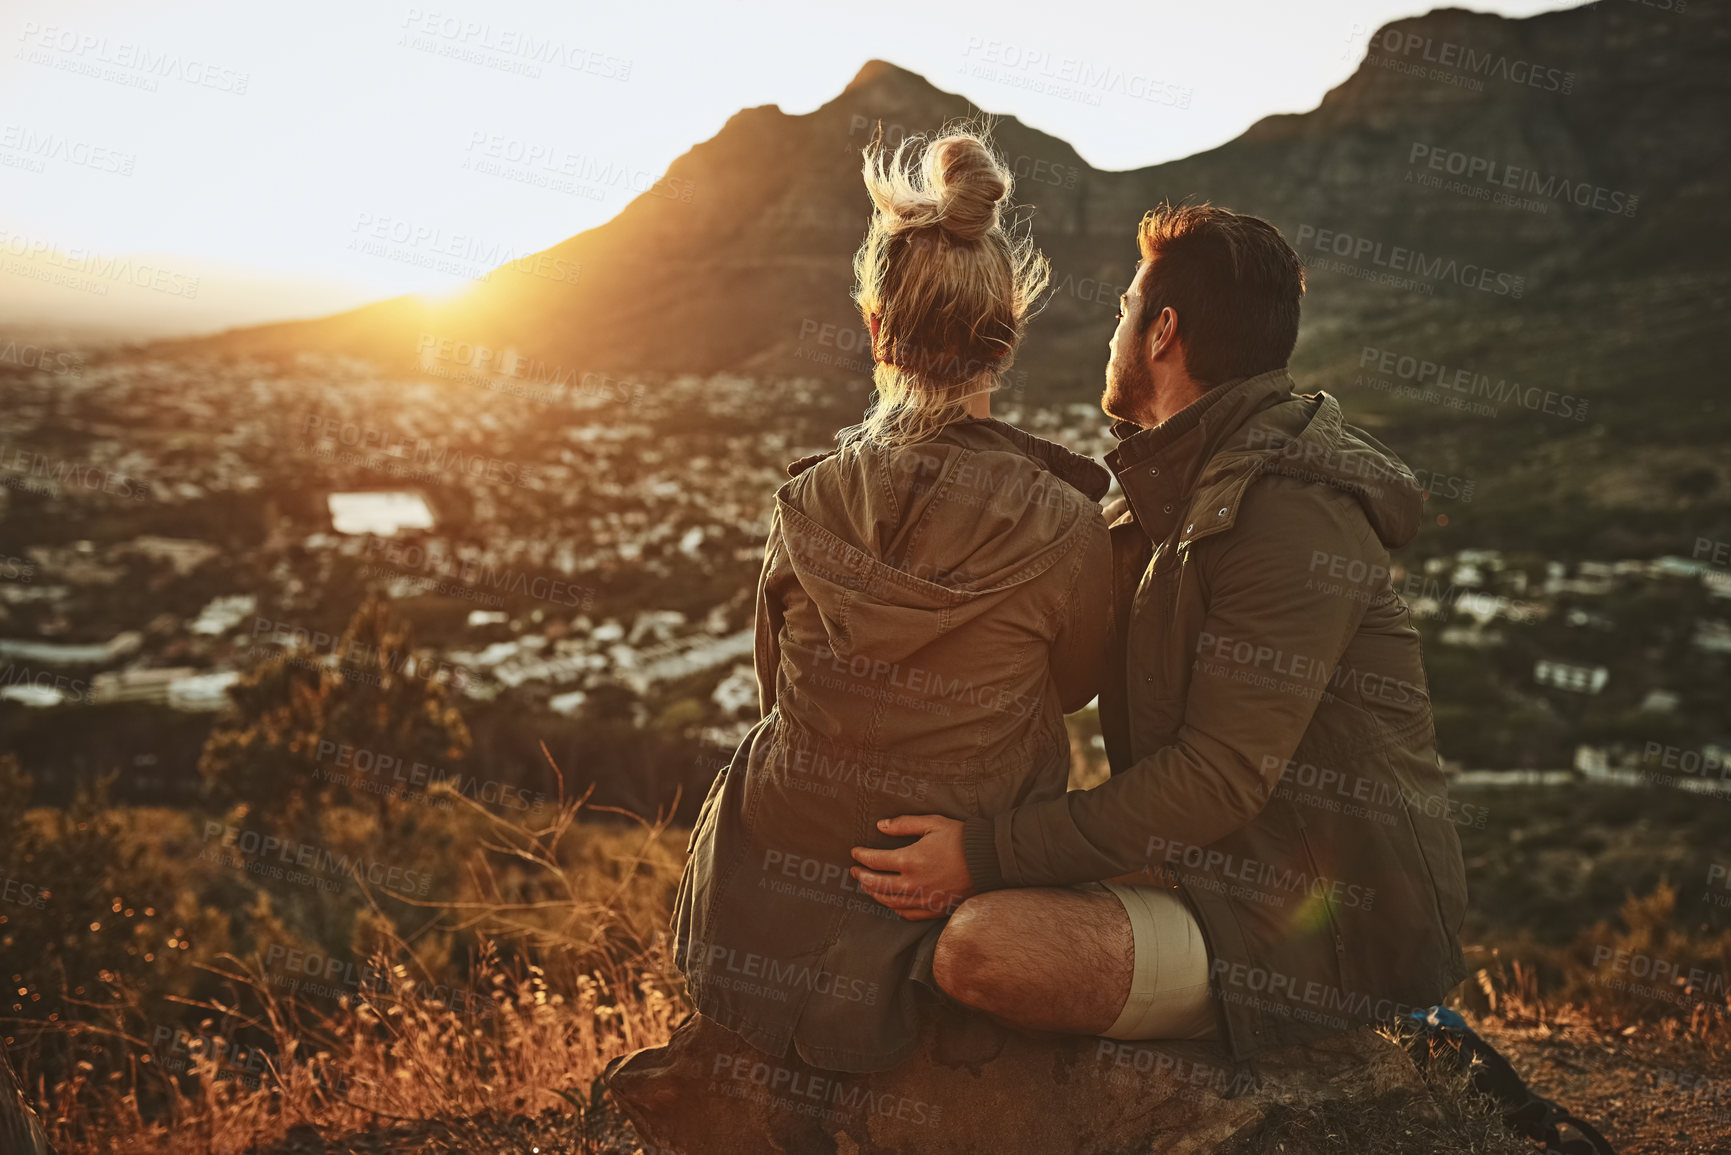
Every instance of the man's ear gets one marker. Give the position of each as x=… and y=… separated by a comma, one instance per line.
x=1163, y=334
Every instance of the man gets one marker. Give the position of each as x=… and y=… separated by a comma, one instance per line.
x=1273, y=858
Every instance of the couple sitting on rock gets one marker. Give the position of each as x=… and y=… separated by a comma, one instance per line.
x=1270, y=860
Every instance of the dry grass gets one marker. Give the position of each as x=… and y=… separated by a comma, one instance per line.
x=1457, y=1120
x=351, y=1070
x=1649, y=968
x=588, y=901
x=567, y=922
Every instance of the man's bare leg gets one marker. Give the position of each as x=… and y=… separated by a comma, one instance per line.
x=1042, y=959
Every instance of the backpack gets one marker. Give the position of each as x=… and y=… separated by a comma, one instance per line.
x=1439, y=1033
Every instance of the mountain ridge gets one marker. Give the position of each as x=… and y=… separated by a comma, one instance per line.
x=1396, y=190
x=721, y=182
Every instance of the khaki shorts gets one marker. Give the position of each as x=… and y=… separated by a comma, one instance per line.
x=1169, y=996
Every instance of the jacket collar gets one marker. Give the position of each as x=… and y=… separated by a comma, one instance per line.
x=1083, y=473
x=1159, y=466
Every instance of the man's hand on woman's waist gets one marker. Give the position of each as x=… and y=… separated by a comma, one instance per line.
x=925, y=879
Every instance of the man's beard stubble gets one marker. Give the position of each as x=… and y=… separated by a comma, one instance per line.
x=1129, y=388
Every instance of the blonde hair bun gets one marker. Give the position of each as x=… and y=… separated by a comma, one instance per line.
x=947, y=285
x=959, y=186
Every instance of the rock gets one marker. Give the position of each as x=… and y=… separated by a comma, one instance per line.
x=21, y=1131
x=972, y=1087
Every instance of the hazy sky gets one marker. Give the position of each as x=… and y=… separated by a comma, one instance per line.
x=227, y=136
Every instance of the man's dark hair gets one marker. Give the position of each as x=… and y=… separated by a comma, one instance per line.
x=1233, y=281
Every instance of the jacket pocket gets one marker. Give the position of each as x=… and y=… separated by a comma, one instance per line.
x=706, y=811
x=1161, y=652
x=1437, y=846
x=1348, y=987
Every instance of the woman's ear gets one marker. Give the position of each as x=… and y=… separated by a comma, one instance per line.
x=872, y=320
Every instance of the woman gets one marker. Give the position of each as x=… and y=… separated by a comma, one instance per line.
x=935, y=597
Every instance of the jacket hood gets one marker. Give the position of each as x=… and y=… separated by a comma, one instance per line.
x=897, y=546
x=1306, y=437
x=1188, y=474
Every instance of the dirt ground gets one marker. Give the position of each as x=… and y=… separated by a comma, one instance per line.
x=1649, y=1089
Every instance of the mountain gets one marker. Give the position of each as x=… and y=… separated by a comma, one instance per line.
x=1527, y=217
x=743, y=246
